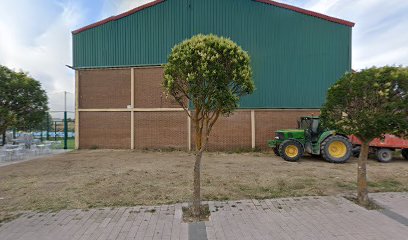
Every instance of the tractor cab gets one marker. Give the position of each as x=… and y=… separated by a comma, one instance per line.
x=311, y=126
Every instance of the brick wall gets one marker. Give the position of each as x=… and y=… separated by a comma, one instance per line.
x=267, y=122
x=229, y=133
x=160, y=130
x=109, y=88
x=149, y=92
x=109, y=130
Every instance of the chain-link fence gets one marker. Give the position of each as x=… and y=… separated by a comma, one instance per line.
x=55, y=134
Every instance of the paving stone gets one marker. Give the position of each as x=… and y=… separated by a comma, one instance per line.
x=287, y=218
x=396, y=202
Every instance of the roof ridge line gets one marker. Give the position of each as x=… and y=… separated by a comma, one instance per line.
x=117, y=17
x=269, y=2
x=308, y=12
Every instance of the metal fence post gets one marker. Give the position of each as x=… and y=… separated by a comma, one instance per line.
x=48, y=127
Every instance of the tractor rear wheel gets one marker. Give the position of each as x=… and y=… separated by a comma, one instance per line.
x=336, y=149
x=291, y=150
x=384, y=155
x=404, y=153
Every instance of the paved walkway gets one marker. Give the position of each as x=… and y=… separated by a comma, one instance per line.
x=292, y=218
x=395, y=205
x=29, y=157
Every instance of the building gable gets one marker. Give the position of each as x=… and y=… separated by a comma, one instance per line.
x=295, y=56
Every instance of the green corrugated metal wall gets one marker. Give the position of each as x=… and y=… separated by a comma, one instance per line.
x=144, y=38
x=295, y=57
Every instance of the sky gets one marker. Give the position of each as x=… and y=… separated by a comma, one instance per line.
x=35, y=36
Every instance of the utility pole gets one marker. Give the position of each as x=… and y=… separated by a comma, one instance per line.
x=65, y=121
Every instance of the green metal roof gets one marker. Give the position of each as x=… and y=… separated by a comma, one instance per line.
x=295, y=56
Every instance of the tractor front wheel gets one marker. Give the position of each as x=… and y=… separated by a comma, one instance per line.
x=336, y=149
x=276, y=151
x=404, y=153
x=291, y=150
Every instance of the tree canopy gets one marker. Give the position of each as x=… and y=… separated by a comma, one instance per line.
x=369, y=103
x=211, y=73
x=23, y=103
x=207, y=75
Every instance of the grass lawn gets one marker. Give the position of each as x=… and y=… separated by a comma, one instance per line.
x=107, y=178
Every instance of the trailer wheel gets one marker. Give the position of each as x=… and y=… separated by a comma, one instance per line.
x=356, y=151
x=404, y=153
x=384, y=155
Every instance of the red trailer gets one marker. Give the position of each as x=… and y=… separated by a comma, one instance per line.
x=383, y=148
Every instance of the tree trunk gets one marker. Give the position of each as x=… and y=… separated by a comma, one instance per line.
x=197, y=185
x=362, y=196
x=197, y=167
x=201, y=146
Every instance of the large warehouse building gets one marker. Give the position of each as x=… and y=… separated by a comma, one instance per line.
x=296, y=55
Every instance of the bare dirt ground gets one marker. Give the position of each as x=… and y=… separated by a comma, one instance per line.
x=107, y=178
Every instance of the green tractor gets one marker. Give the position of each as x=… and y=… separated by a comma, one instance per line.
x=291, y=144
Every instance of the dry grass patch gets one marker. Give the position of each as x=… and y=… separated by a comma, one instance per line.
x=107, y=178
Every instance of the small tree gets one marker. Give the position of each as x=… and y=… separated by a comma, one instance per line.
x=368, y=104
x=23, y=103
x=211, y=73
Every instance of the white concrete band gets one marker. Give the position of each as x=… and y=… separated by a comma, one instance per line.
x=132, y=105
x=253, y=128
x=76, y=110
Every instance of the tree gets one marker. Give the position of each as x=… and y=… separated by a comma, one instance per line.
x=368, y=104
x=211, y=73
x=23, y=103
